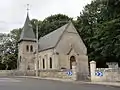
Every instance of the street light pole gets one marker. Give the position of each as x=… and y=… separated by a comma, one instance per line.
x=37, y=49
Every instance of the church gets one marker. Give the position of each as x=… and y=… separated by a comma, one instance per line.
x=56, y=50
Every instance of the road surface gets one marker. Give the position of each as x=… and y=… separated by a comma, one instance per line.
x=35, y=84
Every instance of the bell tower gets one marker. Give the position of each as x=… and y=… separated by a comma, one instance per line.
x=26, y=46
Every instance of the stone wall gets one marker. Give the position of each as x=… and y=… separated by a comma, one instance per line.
x=71, y=37
x=104, y=74
x=17, y=73
x=55, y=74
x=6, y=72
x=109, y=74
x=60, y=74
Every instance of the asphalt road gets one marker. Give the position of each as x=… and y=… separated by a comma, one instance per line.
x=35, y=84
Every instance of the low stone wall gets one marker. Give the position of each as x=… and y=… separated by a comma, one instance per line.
x=10, y=72
x=17, y=73
x=62, y=74
x=6, y=72
x=109, y=74
x=104, y=74
x=56, y=74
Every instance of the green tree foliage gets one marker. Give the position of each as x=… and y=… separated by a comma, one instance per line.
x=34, y=23
x=7, y=54
x=52, y=22
x=9, y=49
x=15, y=36
x=9, y=61
x=2, y=66
x=99, y=26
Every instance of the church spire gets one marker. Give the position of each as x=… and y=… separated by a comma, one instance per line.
x=27, y=12
x=27, y=32
x=28, y=9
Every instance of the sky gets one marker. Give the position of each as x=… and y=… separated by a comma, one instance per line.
x=13, y=12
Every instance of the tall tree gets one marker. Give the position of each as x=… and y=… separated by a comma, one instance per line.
x=98, y=25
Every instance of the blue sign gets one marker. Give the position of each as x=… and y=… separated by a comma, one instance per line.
x=99, y=73
x=69, y=73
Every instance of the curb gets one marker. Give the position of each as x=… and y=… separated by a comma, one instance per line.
x=76, y=82
x=55, y=79
x=102, y=83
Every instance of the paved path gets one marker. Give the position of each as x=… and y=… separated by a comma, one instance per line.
x=37, y=84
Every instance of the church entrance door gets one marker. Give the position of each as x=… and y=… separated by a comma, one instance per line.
x=72, y=59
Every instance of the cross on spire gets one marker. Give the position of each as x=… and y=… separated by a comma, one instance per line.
x=28, y=8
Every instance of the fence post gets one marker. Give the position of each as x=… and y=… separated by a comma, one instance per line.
x=92, y=70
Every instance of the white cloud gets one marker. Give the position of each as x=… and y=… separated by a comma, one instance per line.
x=14, y=11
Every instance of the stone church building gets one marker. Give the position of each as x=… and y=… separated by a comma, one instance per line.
x=57, y=50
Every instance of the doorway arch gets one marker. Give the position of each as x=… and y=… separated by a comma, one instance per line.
x=72, y=59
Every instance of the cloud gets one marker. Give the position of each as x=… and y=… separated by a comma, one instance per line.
x=14, y=11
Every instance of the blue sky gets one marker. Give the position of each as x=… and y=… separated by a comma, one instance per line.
x=13, y=12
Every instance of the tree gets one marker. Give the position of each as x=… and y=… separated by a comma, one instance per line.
x=15, y=36
x=98, y=25
x=34, y=23
x=52, y=22
x=7, y=49
x=10, y=61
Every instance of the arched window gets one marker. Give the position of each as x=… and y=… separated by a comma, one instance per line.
x=43, y=63
x=27, y=48
x=31, y=48
x=50, y=62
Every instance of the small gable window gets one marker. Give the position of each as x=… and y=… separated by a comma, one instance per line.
x=31, y=48
x=27, y=48
x=50, y=62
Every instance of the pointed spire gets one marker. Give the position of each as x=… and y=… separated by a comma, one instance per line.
x=27, y=22
x=27, y=32
x=27, y=15
x=28, y=9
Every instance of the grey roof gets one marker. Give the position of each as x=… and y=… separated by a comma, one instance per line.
x=27, y=32
x=50, y=40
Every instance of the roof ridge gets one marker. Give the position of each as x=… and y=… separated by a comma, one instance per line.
x=52, y=31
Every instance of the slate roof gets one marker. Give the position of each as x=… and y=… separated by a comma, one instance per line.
x=50, y=40
x=27, y=32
